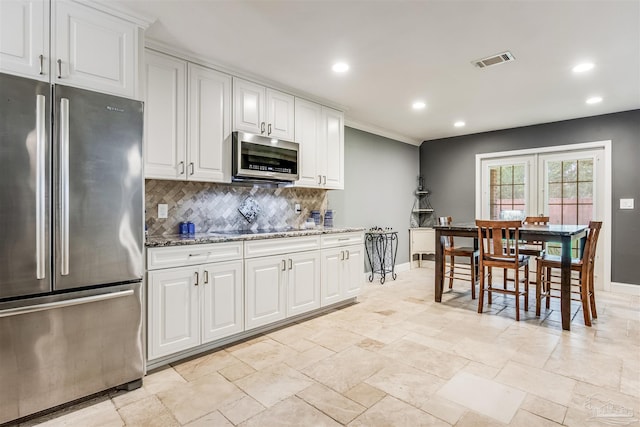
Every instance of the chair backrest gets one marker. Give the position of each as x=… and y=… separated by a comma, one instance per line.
x=498, y=241
x=536, y=220
x=447, y=241
x=589, y=253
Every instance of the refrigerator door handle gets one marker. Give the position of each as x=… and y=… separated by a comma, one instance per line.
x=64, y=186
x=60, y=304
x=41, y=142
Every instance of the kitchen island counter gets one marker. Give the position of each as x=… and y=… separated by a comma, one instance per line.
x=240, y=235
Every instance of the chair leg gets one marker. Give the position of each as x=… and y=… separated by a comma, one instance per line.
x=489, y=284
x=584, y=299
x=526, y=287
x=516, y=285
x=592, y=295
x=538, y=289
x=504, y=278
x=473, y=277
x=547, y=287
x=452, y=267
x=481, y=290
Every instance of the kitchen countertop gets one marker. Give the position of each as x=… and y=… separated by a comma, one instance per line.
x=234, y=236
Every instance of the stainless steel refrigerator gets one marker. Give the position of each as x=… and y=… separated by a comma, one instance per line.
x=71, y=244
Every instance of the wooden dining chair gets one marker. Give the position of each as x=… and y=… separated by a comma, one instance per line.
x=582, y=285
x=534, y=248
x=499, y=248
x=452, y=271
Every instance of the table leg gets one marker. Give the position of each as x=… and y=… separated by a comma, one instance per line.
x=565, y=283
x=438, y=273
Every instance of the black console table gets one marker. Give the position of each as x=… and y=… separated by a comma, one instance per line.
x=382, y=248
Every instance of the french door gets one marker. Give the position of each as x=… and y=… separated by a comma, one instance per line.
x=566, y=185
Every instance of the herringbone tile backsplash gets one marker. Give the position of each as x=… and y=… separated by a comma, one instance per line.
x=214, y=207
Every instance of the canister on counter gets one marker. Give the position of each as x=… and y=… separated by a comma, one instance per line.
x=183, y=228
x=191, y=227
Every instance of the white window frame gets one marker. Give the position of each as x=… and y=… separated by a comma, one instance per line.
x=605, y=233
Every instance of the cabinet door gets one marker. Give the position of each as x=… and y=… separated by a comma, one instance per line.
x=97, y=51
x=173, y=311
x=265, y=290
x=303, y=284
x=308, y=116
x=354, y=270
x=165, y=117
x=333, y=155
x=209, y=125
x=248, y=107
x=222, y=304
x=24, y=38
x=423, y=240
x=280, y=115
x=331, y=277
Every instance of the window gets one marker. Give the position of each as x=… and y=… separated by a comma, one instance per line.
x=506, y=190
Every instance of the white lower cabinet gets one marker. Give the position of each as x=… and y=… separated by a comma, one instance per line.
x=342, y=270
x=195, y=304
x=280, y=286
x=173, y=311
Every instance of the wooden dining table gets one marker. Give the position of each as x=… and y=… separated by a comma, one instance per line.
x=566, y=235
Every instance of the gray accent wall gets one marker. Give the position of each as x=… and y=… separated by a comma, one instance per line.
x=380, y=179
x=448, y=166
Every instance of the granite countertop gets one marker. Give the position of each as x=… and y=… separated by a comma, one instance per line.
x=234, y=236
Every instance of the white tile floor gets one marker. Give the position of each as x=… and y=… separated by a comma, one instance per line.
x=397, y=358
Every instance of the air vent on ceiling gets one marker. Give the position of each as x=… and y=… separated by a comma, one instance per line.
x=494, y=60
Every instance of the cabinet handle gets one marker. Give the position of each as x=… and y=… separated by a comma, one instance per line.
x=41, y=57
x=347, y=254
x=197, y=278
x=284, y=265
x=181, y=165
x=262, y=127
x=324, y=179
x=206, y=276
x=319, y=179
x=269, y=129
x=192, y=168
x=290, y=264
x=341, y=255
x=59, y=61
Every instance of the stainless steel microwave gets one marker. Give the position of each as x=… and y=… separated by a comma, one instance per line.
x=257, y=157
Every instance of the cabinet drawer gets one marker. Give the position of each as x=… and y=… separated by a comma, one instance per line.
x=256, y=248
x=342, y=239
x=192, y=254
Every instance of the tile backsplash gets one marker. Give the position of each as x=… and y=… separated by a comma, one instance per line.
x=214, y=207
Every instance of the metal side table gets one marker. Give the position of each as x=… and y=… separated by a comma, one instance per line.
x=382, y=248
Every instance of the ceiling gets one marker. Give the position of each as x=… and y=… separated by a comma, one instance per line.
x=403, y=51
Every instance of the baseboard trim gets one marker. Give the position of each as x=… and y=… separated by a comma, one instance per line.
x=625, y=288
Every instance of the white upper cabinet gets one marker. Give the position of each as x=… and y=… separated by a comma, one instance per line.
x=165, y=132
x=280, y=115
x=93, y=50
x=262, y=111
x=187, y=122
x=90, y=49
x=308, y=125
x=320, y=133
x=333, y=144
x=209, y=125
x=24, y=38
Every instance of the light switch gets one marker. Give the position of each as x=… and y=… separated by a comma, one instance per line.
x=626, y=203
x=297, y=207
x=163, y=210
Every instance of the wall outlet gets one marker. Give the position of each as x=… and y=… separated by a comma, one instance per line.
x=626, y=203
x=163, y=210
x=297, y=207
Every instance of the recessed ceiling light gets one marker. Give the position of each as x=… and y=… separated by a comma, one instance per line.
x=340, y=67
x=594, y=100
x=459, y=124
x=419, y=105
x=581, y=68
